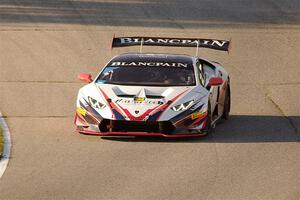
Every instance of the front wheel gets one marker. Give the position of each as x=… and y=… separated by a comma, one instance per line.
x=208, y=127
x=226, y=110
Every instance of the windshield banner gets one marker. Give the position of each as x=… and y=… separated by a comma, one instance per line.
x=222, y=45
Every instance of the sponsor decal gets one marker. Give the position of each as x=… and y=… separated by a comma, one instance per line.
x=150, y=64
x=183, y=42
x=81, y=111
x=192, y=42
x=139, y=98
x=197, y=115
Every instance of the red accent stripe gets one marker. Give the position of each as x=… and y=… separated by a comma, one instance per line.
x=204, y=125
x=110, y=105
x=128, y=114
x=115, y=107
x=199, y=119
x=166, y=105
x=139, y=118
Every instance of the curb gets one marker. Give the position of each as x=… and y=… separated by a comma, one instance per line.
x=7, y=145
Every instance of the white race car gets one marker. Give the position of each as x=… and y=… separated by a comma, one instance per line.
x=142, y=94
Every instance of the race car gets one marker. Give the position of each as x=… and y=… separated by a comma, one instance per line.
x=154, y=94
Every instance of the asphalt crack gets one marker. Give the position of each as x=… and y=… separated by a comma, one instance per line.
x=290, y=121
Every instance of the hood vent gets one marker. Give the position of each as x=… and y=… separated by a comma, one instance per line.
x=147, y=96
x=143, y=92
x=126, y=95
x=154, y=97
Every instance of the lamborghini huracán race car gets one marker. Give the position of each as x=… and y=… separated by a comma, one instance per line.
x=149, y=94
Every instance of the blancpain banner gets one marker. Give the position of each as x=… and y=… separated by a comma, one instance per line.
x=150, y=64
x=222, y=45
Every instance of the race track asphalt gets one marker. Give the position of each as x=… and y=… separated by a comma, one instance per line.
x=44, y=45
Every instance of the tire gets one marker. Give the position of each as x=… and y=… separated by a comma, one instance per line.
x=226, y=110
x=208, y=127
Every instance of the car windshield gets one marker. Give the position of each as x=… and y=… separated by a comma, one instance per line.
x=148, y=76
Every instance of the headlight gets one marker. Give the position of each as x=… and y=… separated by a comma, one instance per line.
x=183, y=106
x=96, y=104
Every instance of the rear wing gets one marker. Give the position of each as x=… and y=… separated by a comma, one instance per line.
x=222, y=45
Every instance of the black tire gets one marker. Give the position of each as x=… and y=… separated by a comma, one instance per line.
x=226, y=110
x=208, y=127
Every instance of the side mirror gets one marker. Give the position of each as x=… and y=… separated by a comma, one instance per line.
x=215, y=81
x=87, y=78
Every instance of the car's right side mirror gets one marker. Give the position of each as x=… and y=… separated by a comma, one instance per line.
x=215, y=81
x=87, y=78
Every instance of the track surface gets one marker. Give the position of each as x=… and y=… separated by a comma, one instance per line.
x=254, y=155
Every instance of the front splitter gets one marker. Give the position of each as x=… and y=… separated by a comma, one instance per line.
x=140, y=134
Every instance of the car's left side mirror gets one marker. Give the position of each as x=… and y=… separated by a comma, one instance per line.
x=215, y=81
x=87, y=78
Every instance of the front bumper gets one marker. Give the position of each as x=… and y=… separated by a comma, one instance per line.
x=189, y=126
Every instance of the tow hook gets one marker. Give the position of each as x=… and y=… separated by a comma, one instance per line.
x=110, y=126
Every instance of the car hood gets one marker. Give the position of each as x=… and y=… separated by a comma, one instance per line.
x=138, y=103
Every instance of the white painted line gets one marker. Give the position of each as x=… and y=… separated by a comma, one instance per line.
x=7, y=145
